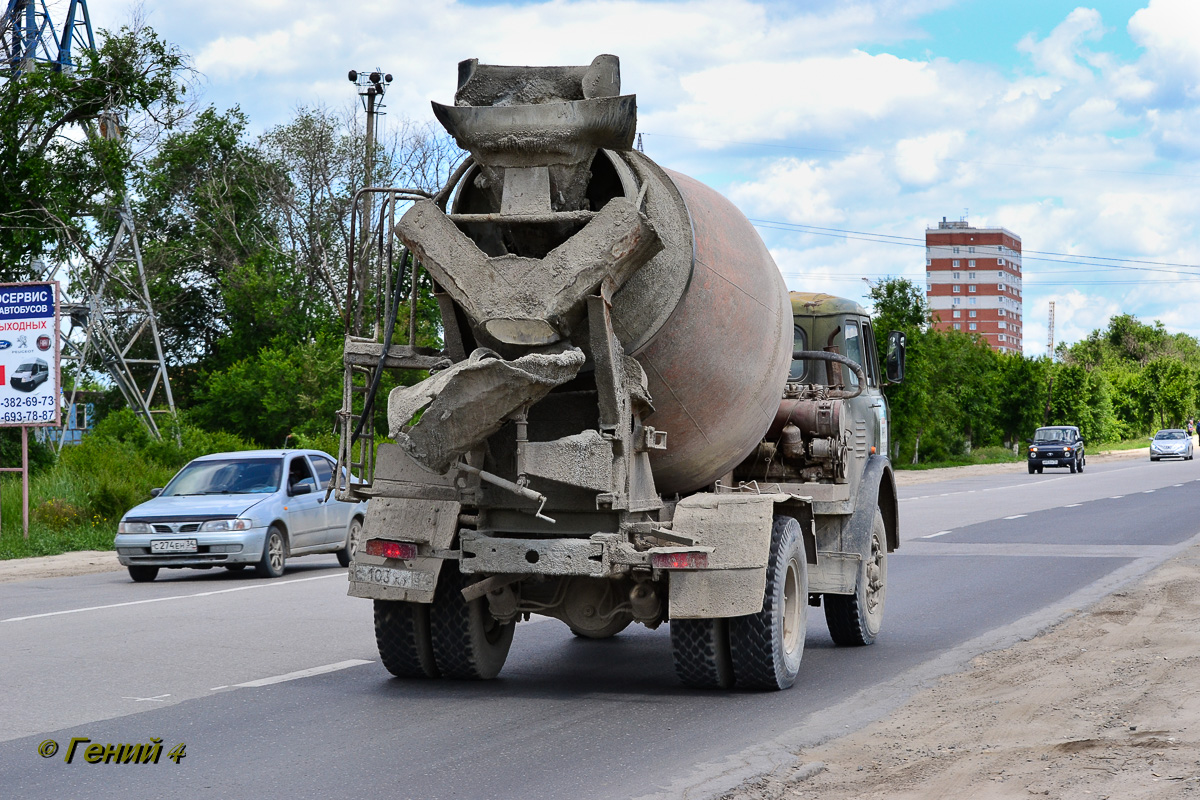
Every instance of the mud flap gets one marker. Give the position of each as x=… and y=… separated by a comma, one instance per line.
x=738, y=528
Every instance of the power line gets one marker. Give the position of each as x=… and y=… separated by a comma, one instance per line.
x=1095, y=262
x=1005, y=164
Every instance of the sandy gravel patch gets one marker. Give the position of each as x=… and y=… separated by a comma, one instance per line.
x=1103, y=705
x=82, y=562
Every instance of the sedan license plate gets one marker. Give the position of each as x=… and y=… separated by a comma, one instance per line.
x=173, y=546
x=1049, y=461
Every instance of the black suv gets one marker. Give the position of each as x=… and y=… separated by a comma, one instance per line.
x=1059, y=446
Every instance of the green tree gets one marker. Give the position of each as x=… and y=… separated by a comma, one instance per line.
x=57, y=176
x=1171, y=391
x=1020, y=395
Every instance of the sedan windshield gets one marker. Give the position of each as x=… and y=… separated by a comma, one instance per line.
x=234, y=476
x=1051, y=435
x=1170, y=435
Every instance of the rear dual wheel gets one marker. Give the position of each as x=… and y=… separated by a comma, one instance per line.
x=755, y=651
x=450, y=637
x=403, y=638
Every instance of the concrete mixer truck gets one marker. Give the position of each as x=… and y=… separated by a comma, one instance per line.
x=631, y=419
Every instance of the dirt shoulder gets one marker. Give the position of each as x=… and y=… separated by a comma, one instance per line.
x=1103, y=705
x=82, y=562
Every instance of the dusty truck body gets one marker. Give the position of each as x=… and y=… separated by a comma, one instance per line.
x=630, y=421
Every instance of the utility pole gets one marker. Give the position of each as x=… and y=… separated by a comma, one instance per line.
x=371, y=88
x=1050, y=337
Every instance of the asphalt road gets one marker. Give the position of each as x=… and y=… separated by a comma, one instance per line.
x=276, y=690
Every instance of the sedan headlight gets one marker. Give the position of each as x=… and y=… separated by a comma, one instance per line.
x=220, y=525
x=134, y=527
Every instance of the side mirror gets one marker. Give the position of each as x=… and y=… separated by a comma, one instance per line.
x=306, y=486
x=156, y=492
x=894, y=363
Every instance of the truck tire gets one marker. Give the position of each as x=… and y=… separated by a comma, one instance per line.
x=403, y=638
x=142, y=574
x=1031, y=469
x=274, y=557
x=1073, y=465
x=468, y=642
x=700, y=650
x=855, y=619
x=766, y=647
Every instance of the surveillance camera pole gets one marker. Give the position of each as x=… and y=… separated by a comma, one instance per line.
x=371, y=86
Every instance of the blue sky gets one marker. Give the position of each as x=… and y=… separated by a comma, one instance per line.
x=845, y=128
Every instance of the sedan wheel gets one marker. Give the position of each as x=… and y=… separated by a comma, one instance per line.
x=142, y=574
x=274, y=554
x=353, y=541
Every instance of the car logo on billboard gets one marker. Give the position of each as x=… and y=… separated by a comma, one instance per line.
x=43, y=343
x=5, y=344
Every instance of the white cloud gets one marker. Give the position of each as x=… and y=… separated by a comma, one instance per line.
x=922, y=160
x=1063, y=149
x=1060, y=53
x=1168, y=30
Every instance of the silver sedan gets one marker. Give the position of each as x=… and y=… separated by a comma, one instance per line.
x=255, y=508
x=1171, y=443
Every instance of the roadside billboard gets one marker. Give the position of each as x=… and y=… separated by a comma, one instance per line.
x=29, y=354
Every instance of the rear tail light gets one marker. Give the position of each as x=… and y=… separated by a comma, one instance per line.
x=690, y=560
x=390, y=549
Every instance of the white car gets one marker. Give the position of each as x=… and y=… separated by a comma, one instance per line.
x=1171, y=443
x=233, y=510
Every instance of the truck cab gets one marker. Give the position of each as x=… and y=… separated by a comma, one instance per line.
x=830, y=441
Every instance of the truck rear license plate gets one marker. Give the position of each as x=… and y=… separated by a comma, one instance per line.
x=1049, y=462
x=399, y=578
x=173, y=546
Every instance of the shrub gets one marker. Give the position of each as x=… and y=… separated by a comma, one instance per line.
x=58, y=514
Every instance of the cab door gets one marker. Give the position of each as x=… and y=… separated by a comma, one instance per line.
x=868, y=409
x=879, y=405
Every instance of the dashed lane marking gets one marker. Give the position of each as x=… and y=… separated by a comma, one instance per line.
x=1017, y=516
x=271, y=585
x=934, y=535
x=304, y=673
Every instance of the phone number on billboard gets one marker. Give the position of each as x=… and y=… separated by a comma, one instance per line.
x=26, y=402
x=28, y=415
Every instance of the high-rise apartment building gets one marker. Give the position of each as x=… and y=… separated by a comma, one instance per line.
x=973, y=282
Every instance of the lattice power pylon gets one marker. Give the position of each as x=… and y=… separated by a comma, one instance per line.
x=112, y=323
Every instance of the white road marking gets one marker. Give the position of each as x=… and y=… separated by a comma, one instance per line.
x=1177, y=485
x=272, y=584
x=1017, y=516
x=1073, y=505
x=932, y=535
x=1116, y=497
x=157, y=699
x=1148, y=491
x=219, y=688
x=304, y=673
